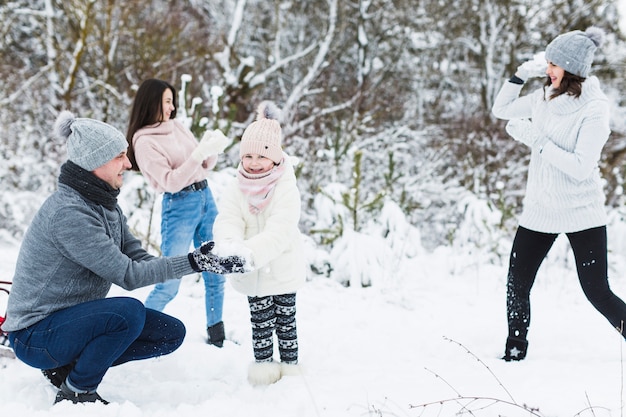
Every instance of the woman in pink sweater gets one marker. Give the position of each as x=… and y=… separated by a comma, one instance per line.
x=176, y=164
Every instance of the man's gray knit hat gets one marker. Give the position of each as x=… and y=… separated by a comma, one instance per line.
x=573, y=51
x=90, y=143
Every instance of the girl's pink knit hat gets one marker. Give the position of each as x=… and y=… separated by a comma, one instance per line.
x=264, y=135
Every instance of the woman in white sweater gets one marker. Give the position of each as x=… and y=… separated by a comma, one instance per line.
x=566, y=124
x=260, y=211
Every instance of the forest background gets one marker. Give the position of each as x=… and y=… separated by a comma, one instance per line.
x=386, y=103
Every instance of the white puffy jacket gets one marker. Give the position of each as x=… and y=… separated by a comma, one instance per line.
x=272, y=236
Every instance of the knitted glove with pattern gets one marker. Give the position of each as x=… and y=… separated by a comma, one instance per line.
x=203, y=260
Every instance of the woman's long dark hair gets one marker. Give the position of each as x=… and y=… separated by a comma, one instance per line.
x=570, y=84
x=147, y=110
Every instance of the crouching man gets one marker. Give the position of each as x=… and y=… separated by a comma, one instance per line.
x=59, y=318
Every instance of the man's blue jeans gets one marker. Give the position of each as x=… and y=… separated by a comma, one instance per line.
x=97, y=335
x=187, y=217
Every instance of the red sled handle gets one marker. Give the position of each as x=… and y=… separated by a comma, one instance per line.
x=6, y=290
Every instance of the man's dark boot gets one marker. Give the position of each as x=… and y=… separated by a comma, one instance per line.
x=216, y=334
x=515, y=349
x=57, y=376
x=67, y=394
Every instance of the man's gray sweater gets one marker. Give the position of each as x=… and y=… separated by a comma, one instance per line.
x=73, y=251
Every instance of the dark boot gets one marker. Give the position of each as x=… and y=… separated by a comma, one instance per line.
x=67, y=394
x=515, y=349
x=57, y=376
x=216, y=334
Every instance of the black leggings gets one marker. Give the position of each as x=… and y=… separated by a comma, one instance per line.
x=590, y=252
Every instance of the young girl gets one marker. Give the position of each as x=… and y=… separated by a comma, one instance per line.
x=260, y=211
x=570, y=125
x=174, y=163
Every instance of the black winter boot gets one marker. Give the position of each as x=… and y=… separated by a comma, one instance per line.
x=515, y=349
x=216, y=334
x=67, y=394
x=57, y=376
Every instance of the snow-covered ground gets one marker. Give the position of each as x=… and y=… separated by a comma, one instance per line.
x=429, y=345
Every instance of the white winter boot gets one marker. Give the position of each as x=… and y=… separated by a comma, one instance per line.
x=290, y=369
x=263, y=373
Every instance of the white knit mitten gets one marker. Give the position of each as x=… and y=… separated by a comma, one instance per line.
x=524, y=131
x=213, y=142
x=533, y=68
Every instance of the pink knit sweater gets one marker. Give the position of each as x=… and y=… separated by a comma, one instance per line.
x=163, y=154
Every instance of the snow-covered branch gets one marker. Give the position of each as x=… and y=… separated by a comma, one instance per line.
x=324, y=47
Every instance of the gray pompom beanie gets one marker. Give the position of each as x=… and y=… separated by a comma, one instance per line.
x=573, y=51
x=90, y=143
x=264, y=135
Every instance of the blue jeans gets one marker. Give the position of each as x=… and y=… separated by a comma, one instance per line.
x=187, y=217
x=95, y=336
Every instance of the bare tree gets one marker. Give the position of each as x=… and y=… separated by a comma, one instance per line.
x=406, y=85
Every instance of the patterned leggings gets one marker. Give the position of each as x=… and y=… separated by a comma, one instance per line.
x=274, y=312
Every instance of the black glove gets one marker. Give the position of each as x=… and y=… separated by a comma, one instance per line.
x=233, y=264
x=203, y=260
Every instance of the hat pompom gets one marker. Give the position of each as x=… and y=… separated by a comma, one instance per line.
x=63, y=124
x=596, y=35
x=268, y=110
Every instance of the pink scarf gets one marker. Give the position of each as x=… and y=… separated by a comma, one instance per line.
x=259, y=188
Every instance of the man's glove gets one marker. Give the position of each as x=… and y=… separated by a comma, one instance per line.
x=213, y=142
x=203, y=260
x=534, y=68
x=523, y=130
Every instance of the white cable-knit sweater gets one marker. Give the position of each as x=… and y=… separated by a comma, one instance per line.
x=272, y=236
x=564, y=189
